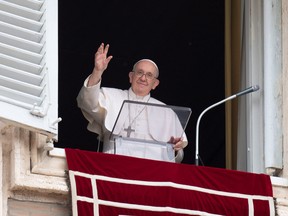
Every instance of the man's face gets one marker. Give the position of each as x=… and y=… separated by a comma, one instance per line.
x=143, y=78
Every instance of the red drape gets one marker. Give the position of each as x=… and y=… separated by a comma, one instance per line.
x=105, y=184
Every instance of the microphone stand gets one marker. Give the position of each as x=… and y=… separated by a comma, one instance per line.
x=246, y=91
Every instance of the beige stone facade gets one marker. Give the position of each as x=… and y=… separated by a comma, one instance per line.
x=32, y=181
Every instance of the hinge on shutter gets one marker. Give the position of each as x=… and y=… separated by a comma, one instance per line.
x=39, y=111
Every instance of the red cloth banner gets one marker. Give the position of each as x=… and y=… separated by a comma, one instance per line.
x=108, y=185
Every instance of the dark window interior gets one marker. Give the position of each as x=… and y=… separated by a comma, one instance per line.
x=185, y=38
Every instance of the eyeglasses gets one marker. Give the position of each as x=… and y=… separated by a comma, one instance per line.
x=148, y=75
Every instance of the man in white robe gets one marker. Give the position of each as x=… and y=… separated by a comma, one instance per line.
x=100, y=106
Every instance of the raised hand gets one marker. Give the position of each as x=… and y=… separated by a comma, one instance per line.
x=101, y=62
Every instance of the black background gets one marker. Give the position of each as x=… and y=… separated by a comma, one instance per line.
x=186, y=40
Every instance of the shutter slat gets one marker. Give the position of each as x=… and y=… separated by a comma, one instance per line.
x=32, y=4
x=21, y=86
x=20, y=43
x=20, y=32
x=22, y=76
x=21, y=11
x=20, y=54
x=10, y=94
x=20, y=21
x=20, y=65
x=15, y=102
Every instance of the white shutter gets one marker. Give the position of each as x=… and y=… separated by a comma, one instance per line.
x=29, y=64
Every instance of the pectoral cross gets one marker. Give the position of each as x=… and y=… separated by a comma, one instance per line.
x=129, y=130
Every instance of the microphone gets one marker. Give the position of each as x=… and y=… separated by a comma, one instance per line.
x=244, y=92
x=248, y=90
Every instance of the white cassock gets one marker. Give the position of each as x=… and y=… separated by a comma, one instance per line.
x=100, y=106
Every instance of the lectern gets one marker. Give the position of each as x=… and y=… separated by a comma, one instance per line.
x=145, y=130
